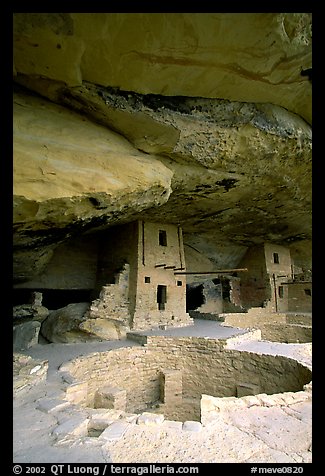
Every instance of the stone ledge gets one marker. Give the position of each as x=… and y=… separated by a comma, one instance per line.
x=194, y=426
x=74, y=426
x=172, y=425
x=102, y=418
x=115, y=431
x=250, y=335
x=49, y=405
x=150, y=419
x=212, y=407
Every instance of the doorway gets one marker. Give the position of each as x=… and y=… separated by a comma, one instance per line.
x=161, y=297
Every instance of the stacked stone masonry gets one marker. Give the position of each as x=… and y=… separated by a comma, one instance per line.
x=274, y=327
x=205, y=365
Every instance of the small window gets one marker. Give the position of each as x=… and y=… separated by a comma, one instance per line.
x=162, y=238
x=276, y=258
x=307, y=292
x=179, y=283
x=281, y=292
x=147, y=279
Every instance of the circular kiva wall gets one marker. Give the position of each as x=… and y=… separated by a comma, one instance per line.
x=170, y=375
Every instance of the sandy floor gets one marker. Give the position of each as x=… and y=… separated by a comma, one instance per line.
x=276, y=434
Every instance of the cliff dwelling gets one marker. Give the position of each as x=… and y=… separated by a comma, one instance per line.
x=162, y=254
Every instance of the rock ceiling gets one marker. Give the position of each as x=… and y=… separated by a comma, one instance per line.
x=202, y=120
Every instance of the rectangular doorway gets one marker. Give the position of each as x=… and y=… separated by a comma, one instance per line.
x=161, y=297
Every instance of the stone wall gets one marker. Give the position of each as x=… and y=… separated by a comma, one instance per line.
x=269, y=268
x=289, y=333
x=130, y=369
x=218, y=295
x=255, y=285
x=304, y=319
x=253, y=318
x=206, y=368
x=212, y=294
x=235, y=294
x=113, y=301
x=274, y=327
x=279, y=269
x=156, y=264
x=117, y=246
x=300, y=297
x=283, y=267
x=214, y=408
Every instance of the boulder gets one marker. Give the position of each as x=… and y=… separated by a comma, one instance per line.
x=72, y=324
x=104, y=328
x=25, y=335
x=29, y=311
x=62, y=325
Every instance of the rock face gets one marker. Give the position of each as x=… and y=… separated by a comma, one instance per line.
x=162, y=117
x=173, y=54
x=72, y=175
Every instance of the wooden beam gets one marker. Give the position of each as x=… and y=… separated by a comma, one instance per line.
x=217, y=271
x=297, y=282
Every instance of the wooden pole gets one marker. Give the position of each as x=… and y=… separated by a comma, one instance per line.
x=275, y=293
x=217, y=271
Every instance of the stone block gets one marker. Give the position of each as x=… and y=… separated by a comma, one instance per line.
x=110, y=397
x=49, y=405
x=172, y=425
x=208, y=403
x=195, y=426
x=267, y=400
x=100, y=421
x=66, y=377
x=150, y=419
x=115, y=431
x=251, y=400
x=171, y=386
x=74, y=426
x=77, y=392
x=244, y=389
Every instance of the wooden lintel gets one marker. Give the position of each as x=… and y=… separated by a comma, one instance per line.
x=217, y=271
x=297, y=282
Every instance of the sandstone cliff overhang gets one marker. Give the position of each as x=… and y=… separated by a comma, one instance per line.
x=165, y=116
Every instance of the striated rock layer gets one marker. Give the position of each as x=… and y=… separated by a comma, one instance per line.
x=251, y=57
